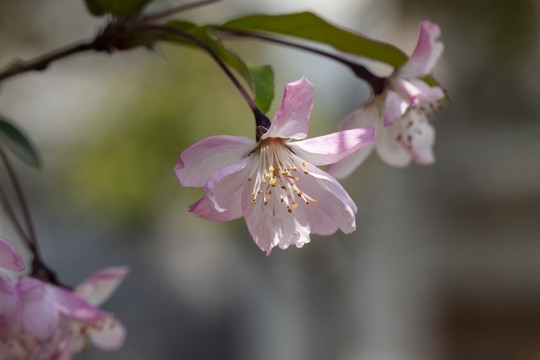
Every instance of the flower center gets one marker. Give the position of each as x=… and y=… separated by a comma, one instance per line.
x=276, y=175
x=415, y=123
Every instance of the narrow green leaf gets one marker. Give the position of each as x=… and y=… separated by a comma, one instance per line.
x=115, y=7
x=263, y=78
x=18, y=143
x=309, y=26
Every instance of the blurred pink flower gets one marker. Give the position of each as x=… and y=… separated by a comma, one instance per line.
x=400, y=113
x=52, y=323
x=274, y=183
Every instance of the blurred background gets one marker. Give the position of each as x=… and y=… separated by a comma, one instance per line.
x=444, y=264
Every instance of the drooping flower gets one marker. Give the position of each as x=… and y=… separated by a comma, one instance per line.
x=400, y=113
x=274, y=183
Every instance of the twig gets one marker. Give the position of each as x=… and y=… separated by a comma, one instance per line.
x=377, y=83
x=262, y=123
x=42, y=62
x=11, y=214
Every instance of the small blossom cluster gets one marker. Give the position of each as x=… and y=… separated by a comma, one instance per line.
x=43, y=321
x=275, y=184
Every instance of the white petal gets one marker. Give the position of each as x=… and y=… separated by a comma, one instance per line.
x=389, y=147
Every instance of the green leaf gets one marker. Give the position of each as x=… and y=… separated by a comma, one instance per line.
x=309, y=26
x=115, y=7
x=263, y=78
x=18, y=143
x=259, y=78
x=94, y=6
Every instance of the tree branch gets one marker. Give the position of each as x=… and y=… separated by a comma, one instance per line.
x=378, y=84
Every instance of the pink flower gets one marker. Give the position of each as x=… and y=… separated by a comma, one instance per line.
x=274, y=183
x=400, y=113
x=53, y=323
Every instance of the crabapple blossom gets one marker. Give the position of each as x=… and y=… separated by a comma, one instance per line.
x=400, y=113
x=274, y=183
x=46, y=321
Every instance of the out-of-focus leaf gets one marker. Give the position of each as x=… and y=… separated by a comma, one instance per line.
x=18, y=143
x=263, y=78
x=309, y=26
x=94, y=6
x=259, y=78
x=115, y=7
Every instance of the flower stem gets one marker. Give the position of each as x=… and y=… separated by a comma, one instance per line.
x=262, y=123
x=38, y=268
x=377, y=83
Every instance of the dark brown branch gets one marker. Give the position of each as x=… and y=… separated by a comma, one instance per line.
x=377, y=83
x=40, y=63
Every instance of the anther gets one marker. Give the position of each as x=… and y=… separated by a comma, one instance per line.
x=253, y=201
x=289, y=209
x=249, y=179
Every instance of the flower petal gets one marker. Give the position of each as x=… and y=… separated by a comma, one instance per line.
x=223, y=188
x=8, y=296
x=426, y=54
x=388, y=145
x=109, y=335
x=202, y=159
x=265, y=228
x=10, y=316
x=418, y=137
x=332, y=200
x=367, y=115
x=417, y=90
x=329, y=149
x=394, y=107
x=58, y=347
x=346, y=167
x=39, y=314
x=291, y=120
x=296, y=227
x=101, y=285
x=73, y=306
x=9, y=256
x=233, y=210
